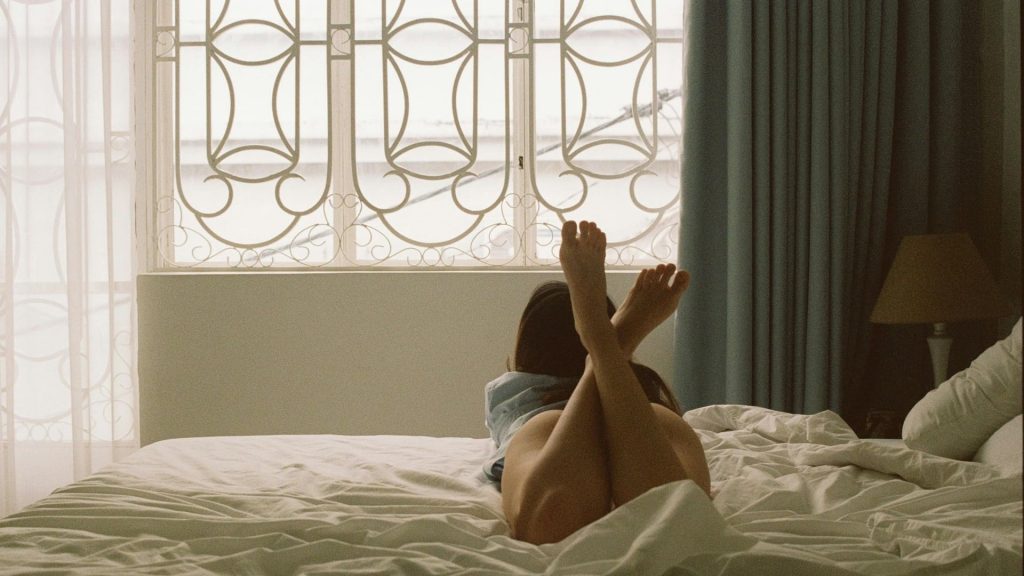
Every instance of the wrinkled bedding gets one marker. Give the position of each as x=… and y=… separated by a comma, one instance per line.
x=793, y=495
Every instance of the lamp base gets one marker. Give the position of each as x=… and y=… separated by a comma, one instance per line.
x=939, y=343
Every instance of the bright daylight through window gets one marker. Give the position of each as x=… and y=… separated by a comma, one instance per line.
x=423, y=133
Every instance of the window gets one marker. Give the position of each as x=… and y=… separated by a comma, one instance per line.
x=422, y=133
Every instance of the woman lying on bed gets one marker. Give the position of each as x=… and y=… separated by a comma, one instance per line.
x=579, y=434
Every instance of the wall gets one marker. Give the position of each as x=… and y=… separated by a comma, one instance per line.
x=333, y=352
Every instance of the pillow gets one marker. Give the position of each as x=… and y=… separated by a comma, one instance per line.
x=1004, y=449
x=956, y=418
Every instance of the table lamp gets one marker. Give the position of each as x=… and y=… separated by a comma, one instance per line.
x=935, y=279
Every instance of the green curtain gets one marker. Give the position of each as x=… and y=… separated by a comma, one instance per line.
x=786, y=159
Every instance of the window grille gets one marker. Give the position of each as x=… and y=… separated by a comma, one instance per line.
x=398, y=133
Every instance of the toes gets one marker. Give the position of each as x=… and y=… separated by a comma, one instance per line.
x=597, y=237
x=641, y=278
x=660, y=275
x=670, y=269
x=569, y=231
x=680, y=282
x=663, y=275
x=592, y=236
x=651, y=277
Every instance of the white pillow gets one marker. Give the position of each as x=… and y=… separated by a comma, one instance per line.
x=956, y=418
x=1004, y=448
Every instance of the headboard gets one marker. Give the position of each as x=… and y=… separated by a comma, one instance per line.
x=333, y=352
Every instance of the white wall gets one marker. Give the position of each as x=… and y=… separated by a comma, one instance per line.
x=333, y=352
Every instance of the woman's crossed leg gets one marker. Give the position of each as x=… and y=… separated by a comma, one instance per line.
x=567, y=468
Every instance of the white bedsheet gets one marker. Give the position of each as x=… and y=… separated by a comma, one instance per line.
x=793, y=495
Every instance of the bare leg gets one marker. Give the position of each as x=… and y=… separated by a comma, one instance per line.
x=653, y=298
x=556, y=468
x=640, y=454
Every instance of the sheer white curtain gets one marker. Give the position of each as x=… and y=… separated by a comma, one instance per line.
x=68, y=392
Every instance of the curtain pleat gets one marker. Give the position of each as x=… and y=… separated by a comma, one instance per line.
x=874, y=151
x=738, y=232
x=780, y=200
x=8, y=499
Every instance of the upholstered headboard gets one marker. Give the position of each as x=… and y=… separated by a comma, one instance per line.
x=339, y=352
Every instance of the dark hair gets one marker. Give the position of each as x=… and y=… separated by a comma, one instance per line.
x=548, y=343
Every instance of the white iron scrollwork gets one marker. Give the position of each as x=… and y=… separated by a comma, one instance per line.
x=451, y=133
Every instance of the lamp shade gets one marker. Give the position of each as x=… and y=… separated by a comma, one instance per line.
x=938, y=278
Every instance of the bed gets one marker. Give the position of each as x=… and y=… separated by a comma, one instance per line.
x=793, y=494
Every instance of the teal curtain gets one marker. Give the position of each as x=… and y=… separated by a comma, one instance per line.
x=786, y=158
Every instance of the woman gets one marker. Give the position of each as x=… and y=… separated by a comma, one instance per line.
x=565, y=463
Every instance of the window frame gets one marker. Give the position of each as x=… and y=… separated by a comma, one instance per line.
x=154, y=136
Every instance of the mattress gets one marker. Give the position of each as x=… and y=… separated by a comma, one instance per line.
x=793, y=494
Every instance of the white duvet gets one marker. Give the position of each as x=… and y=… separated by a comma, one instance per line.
x=793, y=495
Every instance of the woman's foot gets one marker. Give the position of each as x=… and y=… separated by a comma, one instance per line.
x=652, y=299
x=582, y=255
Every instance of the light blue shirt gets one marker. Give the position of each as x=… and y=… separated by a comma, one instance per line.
x=512, y=399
